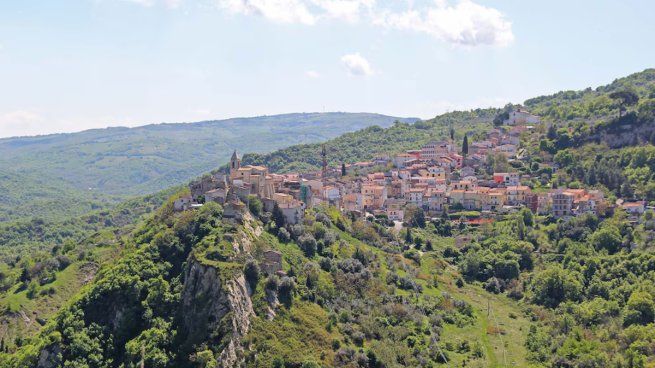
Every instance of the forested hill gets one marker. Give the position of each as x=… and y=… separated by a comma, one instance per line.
x=367, y=143
x=91, y=165
x=592, y=104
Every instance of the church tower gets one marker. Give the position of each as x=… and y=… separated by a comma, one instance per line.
x=235, y=162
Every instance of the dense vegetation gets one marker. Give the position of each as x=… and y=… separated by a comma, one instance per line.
x=591, y=106
x=352, y=296
x=23, y=195
x=367, y=143
x=588, y=285
x=600, y=138
x=44, y=262
x=357, y=294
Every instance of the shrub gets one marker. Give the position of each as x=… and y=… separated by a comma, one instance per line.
x=255, y=205
x=287, y=286
x=252, y=272
x=272, y=283
x=308, y=245
x=283, y=235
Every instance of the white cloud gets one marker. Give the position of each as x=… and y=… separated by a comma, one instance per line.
x=298, y=11
x=348, y=10
x=463, y=22
x=173, y=4
x=170, y=4
x=281, y=11
x=356, y=65
x=466, y=23
x=312, y=74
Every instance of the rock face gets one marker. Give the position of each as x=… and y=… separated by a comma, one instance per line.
x=215, y=311
x=50, y=357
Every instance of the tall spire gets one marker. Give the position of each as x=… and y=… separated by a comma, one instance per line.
x=235, y=162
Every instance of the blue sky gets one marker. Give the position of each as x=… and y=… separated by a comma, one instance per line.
x=79, y=64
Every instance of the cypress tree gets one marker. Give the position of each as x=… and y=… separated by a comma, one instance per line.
x=408, y=236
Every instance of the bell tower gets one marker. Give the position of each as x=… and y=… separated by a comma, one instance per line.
x=235, y=162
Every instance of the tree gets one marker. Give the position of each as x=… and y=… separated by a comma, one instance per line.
x=415, y=216
x=343, y=169
x=528, y=217
x=278, y=216
x=251, y=271
x=428, y=245
x=624, y=99
x=452, y=133
x=608, y=238
x=32, y=289
x=503, y=115
x=555, y=285
x=283, y=235
x=552, y=132
x=626, y=190
x=285, y=290
x=640, y=309
x=255, y=205
x=507, y=268
x=465, y=145
x=497, y=162
x=564, y=158
x=646, y=110
x=408, y=236
x=308, y=244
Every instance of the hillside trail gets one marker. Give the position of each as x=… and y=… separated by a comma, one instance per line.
x=500, y=325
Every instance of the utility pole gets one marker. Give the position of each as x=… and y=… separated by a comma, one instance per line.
x=143, y=357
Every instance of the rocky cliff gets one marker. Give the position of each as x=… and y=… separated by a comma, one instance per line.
x=216, y=311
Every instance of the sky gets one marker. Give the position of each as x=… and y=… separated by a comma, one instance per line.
x=72, y=65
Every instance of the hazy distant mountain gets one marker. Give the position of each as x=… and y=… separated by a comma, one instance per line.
x=131, y=161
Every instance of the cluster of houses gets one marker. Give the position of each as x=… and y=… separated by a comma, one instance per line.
x=435, y=178
x=442, y=184
x=234, y=189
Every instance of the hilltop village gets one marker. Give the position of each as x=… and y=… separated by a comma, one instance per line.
x=443, y=178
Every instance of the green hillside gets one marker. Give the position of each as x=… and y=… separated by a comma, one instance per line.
x=45, y=262
x=351, y=296
x=67, y=174
x=24, y=195
x=367, y=143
